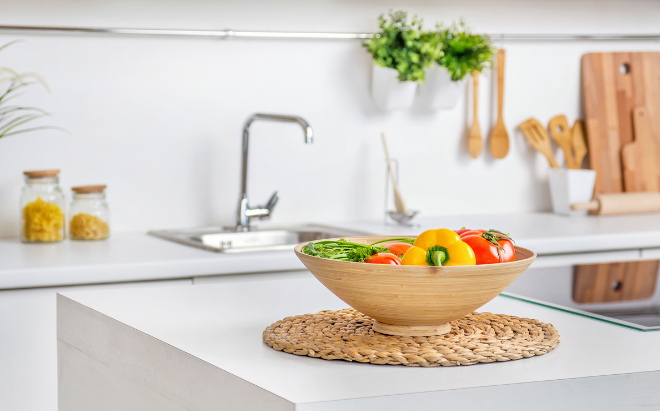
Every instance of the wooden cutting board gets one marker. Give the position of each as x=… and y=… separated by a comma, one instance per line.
x=599, y=283
x=639, y=168
x=614, y=85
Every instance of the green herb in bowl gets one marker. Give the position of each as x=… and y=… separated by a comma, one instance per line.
x=343, y=250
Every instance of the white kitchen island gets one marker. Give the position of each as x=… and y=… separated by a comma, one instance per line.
x=201, y=348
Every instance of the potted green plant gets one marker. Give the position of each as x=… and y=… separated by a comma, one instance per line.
x=400, y=54
x=14, y=117
x=463, y=53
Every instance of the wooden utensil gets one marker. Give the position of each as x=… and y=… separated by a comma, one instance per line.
x=399, y=204
x=535, y=133
x=499, y=137
x=561, y=132
x=639, y=164
x=475, y=143
x=621, y=203
x=579, y=143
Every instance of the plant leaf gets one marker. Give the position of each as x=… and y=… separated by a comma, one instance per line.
x=9, y=118
x=9, y=44
x=20, y=120
x=31, y=129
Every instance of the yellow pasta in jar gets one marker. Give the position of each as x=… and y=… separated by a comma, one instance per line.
x=43, y=221
x=87, y=227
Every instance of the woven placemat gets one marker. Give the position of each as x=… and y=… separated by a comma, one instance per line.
x=348, y=335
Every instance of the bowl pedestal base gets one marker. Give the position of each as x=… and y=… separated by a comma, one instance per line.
x=411, y=330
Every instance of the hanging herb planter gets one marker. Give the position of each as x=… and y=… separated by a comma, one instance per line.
x=439, y=91
x=388, y=92
x=400, y=53
x=463, y=53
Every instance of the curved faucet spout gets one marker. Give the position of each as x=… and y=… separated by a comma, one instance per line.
x=309, y=133
x=244, y=212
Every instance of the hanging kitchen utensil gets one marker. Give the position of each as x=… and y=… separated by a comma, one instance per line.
x=475, y=142
x=499, y=137
x=399, y=204
x=535, y=133
x=561, y=132
x=639, y=164
x=579, y=143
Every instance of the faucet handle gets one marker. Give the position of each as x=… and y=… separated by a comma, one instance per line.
x=272, y=201
x=264, y=212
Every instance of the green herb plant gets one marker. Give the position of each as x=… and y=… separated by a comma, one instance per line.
x=12, y=117
x=343, y=250
x=463, y=53
x=403, y=46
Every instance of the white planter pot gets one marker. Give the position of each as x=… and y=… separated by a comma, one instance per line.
x=439, y=92
x=388, y=92
x=569, y=187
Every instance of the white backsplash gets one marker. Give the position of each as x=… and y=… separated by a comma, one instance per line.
x=159, y=119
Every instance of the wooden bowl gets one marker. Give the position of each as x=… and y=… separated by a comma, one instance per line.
x=414, y=300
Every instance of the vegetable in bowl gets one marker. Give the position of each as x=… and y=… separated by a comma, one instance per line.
x=344, y=250
x=441, y=247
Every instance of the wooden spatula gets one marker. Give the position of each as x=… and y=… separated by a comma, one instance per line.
x=399, y=205
x=561, y=132
x=535, y=133
x=579, y=143
x=639, y=167
x=475, y=143
x=499, y=137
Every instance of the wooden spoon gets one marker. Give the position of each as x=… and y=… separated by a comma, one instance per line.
x=561, y=132
x=537, y=136
x=579, y=143
x=499, y=137
x=399, y=205
x=475, y=143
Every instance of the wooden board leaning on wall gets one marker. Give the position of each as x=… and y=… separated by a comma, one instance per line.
x=614, y=86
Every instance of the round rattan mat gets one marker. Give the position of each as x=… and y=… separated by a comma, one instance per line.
x=348, y=335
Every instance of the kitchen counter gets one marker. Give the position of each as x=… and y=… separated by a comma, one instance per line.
x=559, y=241
x=180, y=348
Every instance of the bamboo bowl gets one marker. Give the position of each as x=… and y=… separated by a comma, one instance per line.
x=414, y=300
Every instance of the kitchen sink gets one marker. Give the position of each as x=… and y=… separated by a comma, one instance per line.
x=223, y=240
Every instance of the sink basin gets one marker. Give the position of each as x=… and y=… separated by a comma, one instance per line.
x=222, y=240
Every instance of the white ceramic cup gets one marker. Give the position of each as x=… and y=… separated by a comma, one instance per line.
x=568, y=187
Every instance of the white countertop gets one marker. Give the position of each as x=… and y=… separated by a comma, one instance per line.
x=221, y=325
x=122, y=258
x=138, y=257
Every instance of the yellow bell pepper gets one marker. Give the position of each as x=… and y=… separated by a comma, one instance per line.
x=439, y=247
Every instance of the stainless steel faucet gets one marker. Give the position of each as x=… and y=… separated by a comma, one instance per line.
x=245, y=213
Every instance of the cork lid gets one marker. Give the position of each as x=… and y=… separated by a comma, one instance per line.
x=88, y=189
x=41, y=173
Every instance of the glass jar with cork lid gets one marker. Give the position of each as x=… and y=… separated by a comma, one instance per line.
x=89, y=214
x=42, y=207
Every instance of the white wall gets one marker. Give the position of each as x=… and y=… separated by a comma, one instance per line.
x=159, y=119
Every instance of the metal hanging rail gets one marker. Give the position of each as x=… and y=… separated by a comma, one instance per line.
x=229, y=34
